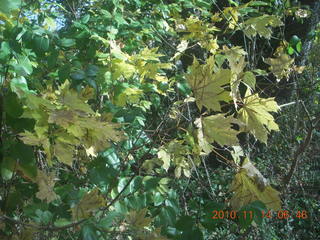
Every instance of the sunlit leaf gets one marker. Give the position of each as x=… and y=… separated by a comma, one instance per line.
x=249, y=185
x=255, y=114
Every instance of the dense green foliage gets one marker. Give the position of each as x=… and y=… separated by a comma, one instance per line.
x=150, y=119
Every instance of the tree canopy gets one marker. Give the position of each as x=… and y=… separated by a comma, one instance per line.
x=159, y=119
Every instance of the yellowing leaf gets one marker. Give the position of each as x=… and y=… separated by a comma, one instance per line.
x=180, y=49
x=249, y=186
x=64, y=152
x=149, y=54
x=280, y=66
x=122, y=68
x=138, y=219
x=260, y=25
x=45, y=184
x=129, y=95
x=71, y=99
x=64, y=118
x=89, y=203
x=205, y=147
x=231, y=13
x=255, y=114
x=217, y=128
x=250, y=80
x=91, y=152
x=165, y=157
x=196, y=28
x=207, y=86
x=31, y=139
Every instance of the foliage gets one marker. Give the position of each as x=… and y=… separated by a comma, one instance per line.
x=111, y=122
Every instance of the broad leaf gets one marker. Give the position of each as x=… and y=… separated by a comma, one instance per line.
x=255, y=114
x=207, y=86
x=249, y=185
x=217, y=128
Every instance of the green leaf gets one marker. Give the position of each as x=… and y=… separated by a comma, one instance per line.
x=12, y=106
x=185, y=223
x=66, y=42
x=78, y=75
x=5, y=52
x=23, y=67
x=7, y=6
x=7, y=168
x=89, y=232
x=41, y=43
x=250, y=80
x=208, y=213
x=290, y=50
x=158, y=199
x=61, y=222
x=299, y=46
x=64, y=72
x=24, y=155
x=19, y=85
x=167, y=216
x=108, y=220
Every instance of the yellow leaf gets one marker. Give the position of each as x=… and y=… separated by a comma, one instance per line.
x=217, y=128
x=64, y=118
x=260, y=25
x=129, y=95
x=165, y=157
x=180, y=49
x=249, y=186
x=87, y=93
x=121, y=68
x=31, y=139
x=71, y=99
x=89, y=203
x=205, y=147
x=91, y=152
x=64, y=152
x=207, y=86
x=138, y=219
x=231, y=13
x=280, y=66
x=45, y=184
x=255, y=115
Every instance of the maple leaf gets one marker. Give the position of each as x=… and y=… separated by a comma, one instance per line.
x=255, y=114
x=45, y=184
x=180, y=49
x=260, y=25
x=280, y=66
x=249, y=185
x=207, y=86
x=138, y=219
x=31, y=139
x=64, y=152
x=231, y=13
x=62, y=117
x=205, y=147
x=90, y=202
x=71, y=99
x=217, y=128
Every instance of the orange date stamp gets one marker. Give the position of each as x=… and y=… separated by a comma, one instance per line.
x=281, y=214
